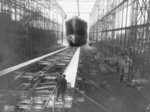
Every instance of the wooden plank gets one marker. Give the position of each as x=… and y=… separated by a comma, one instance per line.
x=11, y=69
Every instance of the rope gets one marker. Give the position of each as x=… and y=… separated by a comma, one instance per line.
x=93, y=101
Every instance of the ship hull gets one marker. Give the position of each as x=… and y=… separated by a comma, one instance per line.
x=76, y=32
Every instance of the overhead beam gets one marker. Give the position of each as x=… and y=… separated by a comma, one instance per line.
x=127, y=28
x=89, y=8
x=80, y=12
x=112, y=10
x=62, y=11
x=78, y=7
x=75, y=1
x=45, y=6
x=94, y=5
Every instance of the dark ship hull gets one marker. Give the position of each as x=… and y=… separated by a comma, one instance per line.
x=76, y=31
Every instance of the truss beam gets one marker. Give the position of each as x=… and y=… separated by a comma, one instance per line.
x=125, y=27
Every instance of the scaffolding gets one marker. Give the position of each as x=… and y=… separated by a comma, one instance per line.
x=24, y=23
x=122, y=26
x=42, y=14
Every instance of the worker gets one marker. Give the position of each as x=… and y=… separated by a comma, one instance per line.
x=122, y=73
x=61, y=87
x=117, y=66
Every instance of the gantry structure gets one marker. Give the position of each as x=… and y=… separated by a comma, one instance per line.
x=119, y=25
x=123, y=26
x=41, y=14
x=26, y=24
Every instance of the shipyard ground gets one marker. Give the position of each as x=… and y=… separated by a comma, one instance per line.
x=115, y=96
x=107, y=89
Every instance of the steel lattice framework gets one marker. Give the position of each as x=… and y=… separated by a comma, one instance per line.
x=42, y=14
x=18, y=17
x=124, y=26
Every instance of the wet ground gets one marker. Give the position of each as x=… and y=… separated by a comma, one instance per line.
x=110, y=93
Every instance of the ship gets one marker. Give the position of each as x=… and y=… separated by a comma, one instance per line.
x=76, y=31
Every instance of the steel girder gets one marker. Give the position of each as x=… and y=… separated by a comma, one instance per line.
x=43, y=14
x=128, y=27
x=29, y=9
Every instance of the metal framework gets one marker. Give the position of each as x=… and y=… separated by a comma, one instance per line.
x=20, y=23
x=123, y=26
x=43, y=14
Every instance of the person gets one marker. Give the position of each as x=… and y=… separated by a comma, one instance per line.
x=121, y=77
x=61, y=87
x=117, y=66
x=122, y=70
